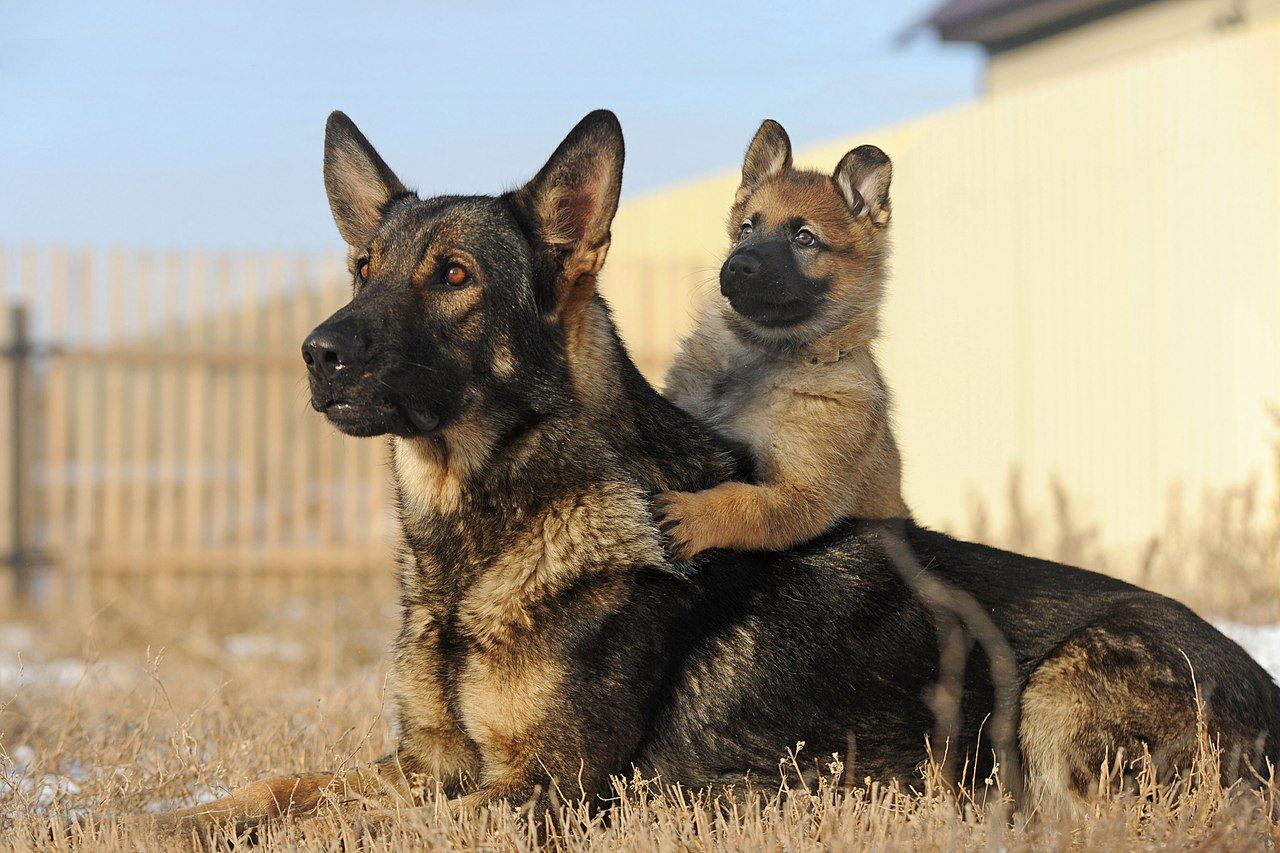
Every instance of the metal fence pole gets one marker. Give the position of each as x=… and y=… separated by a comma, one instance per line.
x=18, y=351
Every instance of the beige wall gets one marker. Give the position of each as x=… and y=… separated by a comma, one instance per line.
x=1086, y=280
x=1122, y=36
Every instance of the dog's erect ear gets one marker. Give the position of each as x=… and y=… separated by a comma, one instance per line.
x=357, y=180
x=863, y=177
x=768, y=154
x=571, y=203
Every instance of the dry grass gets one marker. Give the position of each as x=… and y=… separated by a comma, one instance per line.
x=194, y=701
x=1219, y=554
x=137, y=706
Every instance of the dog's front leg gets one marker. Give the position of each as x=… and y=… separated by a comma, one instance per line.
x=381, y=784
x=741, y=516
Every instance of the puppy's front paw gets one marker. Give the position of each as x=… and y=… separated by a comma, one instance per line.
x=677, y=517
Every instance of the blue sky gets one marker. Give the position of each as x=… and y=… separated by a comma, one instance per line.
x=182, y=125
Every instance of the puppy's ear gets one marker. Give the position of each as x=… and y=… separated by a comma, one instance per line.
x=570, y=204
x=358, y=182
x=863, y=177
x=768, y=154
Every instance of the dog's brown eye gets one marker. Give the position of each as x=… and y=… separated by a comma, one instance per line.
x=745, y=231
x=456, y=275
x=362, y=269
x=805, y=237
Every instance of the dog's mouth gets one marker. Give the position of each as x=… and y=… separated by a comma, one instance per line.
x=377, y=417
x=771, y=313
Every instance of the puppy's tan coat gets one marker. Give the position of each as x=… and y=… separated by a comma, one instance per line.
x=807, y=399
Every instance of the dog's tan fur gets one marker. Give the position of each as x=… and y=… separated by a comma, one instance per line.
x=385, y=783
x=497, y=733
x=809, y=404
x=1086, y=700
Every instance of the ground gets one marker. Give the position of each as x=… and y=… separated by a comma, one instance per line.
x=130, y=707
x=125, y=701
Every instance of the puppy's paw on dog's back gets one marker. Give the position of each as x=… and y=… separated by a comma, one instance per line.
x=676, y=515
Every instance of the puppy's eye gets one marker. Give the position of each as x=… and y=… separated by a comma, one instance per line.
x=455, y=275
x=745, y=231
x=362, y=270
x=804, y=237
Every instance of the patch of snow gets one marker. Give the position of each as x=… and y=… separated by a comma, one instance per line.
x=63, y=673
x=18, y=777
x=297, y=609
x=198, y=798
x=266, y=646
x=26, y=787
x=1260, y=641
x=16, y=638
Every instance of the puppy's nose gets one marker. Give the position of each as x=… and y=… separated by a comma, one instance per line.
x=329, y=349
x=743, y=265
x=737, y=273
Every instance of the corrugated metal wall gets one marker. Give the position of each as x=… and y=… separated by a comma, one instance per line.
x=1086, y=280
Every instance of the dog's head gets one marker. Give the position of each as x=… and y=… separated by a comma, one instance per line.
x=460, y=304
x=808, y=248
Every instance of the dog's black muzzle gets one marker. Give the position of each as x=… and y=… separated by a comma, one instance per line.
x=763, y=284
x=336, y=347
x=346, y=385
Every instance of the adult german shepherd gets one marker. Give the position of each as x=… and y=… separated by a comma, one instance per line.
x=545, y=636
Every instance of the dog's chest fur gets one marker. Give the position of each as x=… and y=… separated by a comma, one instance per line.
x=749, y=396
x=479, y=663
x=742, y=401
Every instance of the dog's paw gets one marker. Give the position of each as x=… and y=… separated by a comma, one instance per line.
x=676, y=516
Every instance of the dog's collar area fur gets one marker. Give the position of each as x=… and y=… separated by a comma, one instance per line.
x=828, y=356
x=830, y=348
x=834, y=347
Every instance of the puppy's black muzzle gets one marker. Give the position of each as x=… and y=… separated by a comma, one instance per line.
x=763, y=284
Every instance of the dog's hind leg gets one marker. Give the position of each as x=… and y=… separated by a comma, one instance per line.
x=1104, y=697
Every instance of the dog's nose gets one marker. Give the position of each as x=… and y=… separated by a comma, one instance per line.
x=737, y=273
x=329, y=349
x=743, y=265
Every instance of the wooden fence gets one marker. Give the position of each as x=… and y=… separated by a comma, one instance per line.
x=162, y=424
x=158, y=422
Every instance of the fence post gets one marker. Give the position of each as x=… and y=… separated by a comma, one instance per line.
x=18, y=351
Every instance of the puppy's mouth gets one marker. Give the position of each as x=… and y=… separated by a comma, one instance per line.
x=377, y=417
x=773, y=314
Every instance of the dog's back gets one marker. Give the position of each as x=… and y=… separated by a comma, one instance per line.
x=1102, y=665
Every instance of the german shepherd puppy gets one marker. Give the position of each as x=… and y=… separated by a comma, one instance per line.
x=546, y=639
x=781, y=362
